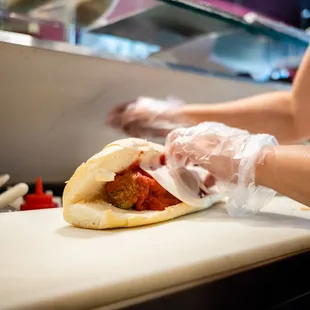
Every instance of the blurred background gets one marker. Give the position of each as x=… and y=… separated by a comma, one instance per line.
x=262, y=40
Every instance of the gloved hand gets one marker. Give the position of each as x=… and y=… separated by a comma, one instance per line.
x=230, y=155
x=147, y=117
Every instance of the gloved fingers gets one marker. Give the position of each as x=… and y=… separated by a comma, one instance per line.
x=142, y=112
x=137, y=111
x=208, y=146
x=182, y=147
x=209, y=181
x=130, y=117
x=195, y=135
x=173, y=135
x=197, y=147
x=115, y=117
x=222, y=168
x=132, y=129
x=148, y=117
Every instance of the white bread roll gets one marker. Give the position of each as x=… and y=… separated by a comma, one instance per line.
x=83, y=199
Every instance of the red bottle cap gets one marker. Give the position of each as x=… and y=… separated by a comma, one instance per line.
x=39, y=200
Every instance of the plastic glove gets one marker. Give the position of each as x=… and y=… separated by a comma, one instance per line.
x=230, y=155
x=147, y=117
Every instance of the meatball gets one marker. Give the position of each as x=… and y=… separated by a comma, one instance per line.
x=123, y=191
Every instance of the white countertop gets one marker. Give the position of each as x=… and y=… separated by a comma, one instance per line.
x=46, y=264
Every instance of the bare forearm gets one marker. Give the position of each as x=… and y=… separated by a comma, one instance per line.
x=267, y=113
x=286, y=169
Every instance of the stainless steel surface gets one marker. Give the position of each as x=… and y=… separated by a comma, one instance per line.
x=248, y=19
x=190, y=33
x=163, y=25
x=234, y=51
x=29, y=41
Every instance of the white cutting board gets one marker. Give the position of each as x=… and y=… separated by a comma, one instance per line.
x=45, y=264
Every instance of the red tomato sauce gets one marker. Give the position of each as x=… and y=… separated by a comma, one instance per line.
x=135, y=189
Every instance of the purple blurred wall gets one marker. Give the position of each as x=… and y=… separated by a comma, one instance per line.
x=287, y=11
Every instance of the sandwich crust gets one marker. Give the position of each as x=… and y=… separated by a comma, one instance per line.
x=83, y=199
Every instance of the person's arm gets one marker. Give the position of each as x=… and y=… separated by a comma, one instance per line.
x=286, y=169
x=267, y=113
x=284, y=115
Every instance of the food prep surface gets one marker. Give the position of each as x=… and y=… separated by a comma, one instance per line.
x=47, y=264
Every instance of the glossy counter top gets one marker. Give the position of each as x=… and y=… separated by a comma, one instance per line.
x=46, y=264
